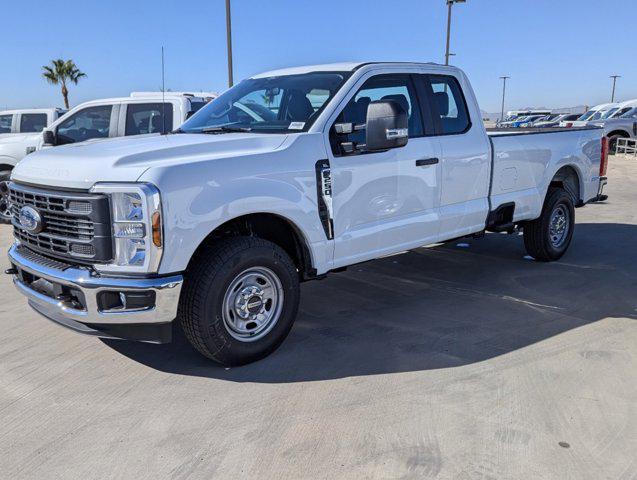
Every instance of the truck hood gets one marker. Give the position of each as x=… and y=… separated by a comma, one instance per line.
x=126, y=159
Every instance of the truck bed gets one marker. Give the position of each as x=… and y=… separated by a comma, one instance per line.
x=525, y=161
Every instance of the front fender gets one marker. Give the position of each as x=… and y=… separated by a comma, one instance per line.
x=198, y=197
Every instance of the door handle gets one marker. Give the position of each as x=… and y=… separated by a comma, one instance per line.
x=423, y=162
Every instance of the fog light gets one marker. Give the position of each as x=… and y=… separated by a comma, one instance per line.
x=113, y=300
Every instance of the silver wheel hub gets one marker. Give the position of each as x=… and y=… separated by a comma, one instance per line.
x=252, y=304
x=559, y=226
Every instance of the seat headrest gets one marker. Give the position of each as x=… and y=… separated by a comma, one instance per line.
x=442, y=102
x=400, y=99
x=299, y=106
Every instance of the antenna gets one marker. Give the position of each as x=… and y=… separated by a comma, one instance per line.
x=163, y=94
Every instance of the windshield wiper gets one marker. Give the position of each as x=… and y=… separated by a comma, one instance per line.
x=225, y=129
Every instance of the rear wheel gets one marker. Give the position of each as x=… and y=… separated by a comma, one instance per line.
x=547, y=238
x=5, y=204
x=612, y=143
x=240, y=299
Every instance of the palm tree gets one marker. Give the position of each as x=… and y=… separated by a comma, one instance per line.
x=62, y=72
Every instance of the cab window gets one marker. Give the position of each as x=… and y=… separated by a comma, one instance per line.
x=5, y=123
x=32, y=122
x=394, y=87
x=89, y=123
x=144, y=118
x=449, y=105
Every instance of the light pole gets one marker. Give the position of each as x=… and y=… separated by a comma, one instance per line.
x=504, y=88
x=229, y=41
x=614, y=77
x=449, y=5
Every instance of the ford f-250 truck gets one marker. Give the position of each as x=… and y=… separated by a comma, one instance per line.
x=285, y=177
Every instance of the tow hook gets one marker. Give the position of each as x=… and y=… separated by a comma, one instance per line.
x=11, y=271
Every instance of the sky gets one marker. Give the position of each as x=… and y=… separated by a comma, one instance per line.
x=558, y=53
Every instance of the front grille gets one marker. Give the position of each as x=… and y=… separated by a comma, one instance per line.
x=42, y=260
x=76, y=225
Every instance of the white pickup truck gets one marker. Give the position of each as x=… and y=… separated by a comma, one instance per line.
x=141, y=113
x=285, y=177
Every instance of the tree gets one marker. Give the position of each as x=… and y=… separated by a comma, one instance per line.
x=62, y=72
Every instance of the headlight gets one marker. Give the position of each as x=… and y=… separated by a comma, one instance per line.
x=137, y=229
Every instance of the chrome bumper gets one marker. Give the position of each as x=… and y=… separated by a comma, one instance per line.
x=88, y=316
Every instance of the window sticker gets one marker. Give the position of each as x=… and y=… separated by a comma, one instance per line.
x=297, y=126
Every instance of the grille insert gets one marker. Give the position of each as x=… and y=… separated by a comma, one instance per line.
x=74, y=225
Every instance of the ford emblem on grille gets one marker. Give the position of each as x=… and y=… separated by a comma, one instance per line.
x=30, y=219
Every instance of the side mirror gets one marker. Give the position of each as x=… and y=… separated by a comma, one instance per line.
x=49, y=137
x=387, y=126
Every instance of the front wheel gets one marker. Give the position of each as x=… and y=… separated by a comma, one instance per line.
x=239, y=300
x=5, y=202
x=547, y=238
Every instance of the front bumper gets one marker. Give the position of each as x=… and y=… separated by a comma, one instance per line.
x=76, y=298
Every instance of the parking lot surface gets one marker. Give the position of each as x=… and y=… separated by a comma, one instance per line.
x=462, y=361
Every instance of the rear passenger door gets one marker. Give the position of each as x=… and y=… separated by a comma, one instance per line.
x=465, y=161
x=32, y=122
x=145, y=118
x=383, y=202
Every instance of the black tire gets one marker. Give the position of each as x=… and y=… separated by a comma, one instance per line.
x=612, y=143
x=5, y=212
x=538, y=238
x=207, y=281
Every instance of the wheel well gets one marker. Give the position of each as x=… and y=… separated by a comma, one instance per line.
x=5, y=166
x=568, y=179
x=619, y=133
x=273, y=228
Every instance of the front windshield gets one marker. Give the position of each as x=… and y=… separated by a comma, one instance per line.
x=609, y=113
x=588, y=115
x=272, y=104
x=632, y=113
x=597, y=115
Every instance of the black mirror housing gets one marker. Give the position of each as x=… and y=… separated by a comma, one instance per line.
x=387, y=126
x=48, y=137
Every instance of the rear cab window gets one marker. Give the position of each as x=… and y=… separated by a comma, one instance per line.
x=143, y=118
x=448, y=105
x=32, y=122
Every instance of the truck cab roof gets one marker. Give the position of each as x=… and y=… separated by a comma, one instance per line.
x=342, y=67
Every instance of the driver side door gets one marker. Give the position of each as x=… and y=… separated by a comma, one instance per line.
x=384, y=202
x=98, y=121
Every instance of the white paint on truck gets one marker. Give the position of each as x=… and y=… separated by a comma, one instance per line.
x=227, y=182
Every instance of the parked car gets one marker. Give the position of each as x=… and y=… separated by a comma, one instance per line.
x=526, y=121
x=216, y=224
x=593, y=114
x=29, y=120
x=557, y=119
x=619, y=110
x=141, y=113
x=624, y=126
